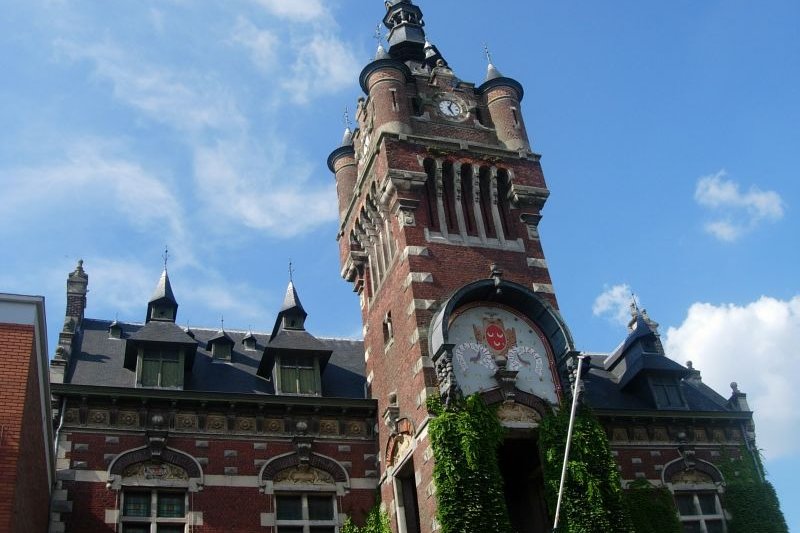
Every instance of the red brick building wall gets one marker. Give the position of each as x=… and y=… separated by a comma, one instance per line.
x=24, y=490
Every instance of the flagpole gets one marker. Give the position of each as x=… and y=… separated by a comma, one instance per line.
x=575, y=393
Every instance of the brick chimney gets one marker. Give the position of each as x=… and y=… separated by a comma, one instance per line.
x=77, y=286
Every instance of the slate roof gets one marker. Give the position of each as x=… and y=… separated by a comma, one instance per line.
x=163, y=290
x=99, y=361
x=602, y=391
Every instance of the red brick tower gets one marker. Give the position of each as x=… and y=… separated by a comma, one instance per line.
x=440, y=197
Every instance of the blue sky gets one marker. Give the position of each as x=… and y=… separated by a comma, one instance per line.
x=669, y=135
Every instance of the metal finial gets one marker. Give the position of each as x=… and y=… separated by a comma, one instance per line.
x=291, y=271
x=346, y=118
x=488, y=53
x=165, y=256
x=222, y=322
x=634, y=303
x=378, y=36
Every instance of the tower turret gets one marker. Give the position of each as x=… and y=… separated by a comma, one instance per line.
x=406, y=34
x=503, y=97
x=342, y=162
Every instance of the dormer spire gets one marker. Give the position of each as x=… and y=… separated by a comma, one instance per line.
x=162, y=304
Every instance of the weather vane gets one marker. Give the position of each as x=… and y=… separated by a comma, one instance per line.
x=378, y=33
x=291, y=271
x=165, y=256
x=222, y=322
x=346, y=118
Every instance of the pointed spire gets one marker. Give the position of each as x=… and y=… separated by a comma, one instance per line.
x=291, y=302
x=162, y=304
x=491, y=71
x=163, y=290
x=347, y=138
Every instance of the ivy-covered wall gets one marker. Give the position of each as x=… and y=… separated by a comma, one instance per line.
x=751, y=501
x=469, y=487
x=377, y=522
x=652, y=509
x=593, y=498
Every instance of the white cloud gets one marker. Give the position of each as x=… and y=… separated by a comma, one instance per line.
x=239, y=303
x=262, y=191
x=740, y=212
x=614, y=304
x=323, y=65
x=296, y=10
x=262, y=44
x=183, y=100
x=757, y=346
x=91, y=175
x=120, y=286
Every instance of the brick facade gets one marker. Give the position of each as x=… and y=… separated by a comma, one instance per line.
x=25, y=458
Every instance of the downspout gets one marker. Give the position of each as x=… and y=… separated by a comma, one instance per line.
x=60, y=425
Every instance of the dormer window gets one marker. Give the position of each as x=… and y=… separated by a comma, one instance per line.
x=249, y=342
x=666, y=392
x=115, y=330
x=298, y=375
x=160, y=368
x=221, y=346
x=221, y=351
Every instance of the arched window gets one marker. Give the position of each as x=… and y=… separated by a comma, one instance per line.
x=304, y=493
x=156, y=488
x=697, y=489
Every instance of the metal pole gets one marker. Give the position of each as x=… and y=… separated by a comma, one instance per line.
x=575, y=393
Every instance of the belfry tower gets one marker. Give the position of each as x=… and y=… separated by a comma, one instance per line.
x=440, y=197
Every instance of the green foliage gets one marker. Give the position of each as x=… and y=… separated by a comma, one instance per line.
x=752, y=503
x=593, y=499
x=377, y=522
x=469, y=486
x=652, y=510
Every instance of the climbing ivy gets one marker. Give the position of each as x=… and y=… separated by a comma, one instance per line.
x=377, y=522
x=465, y=437
x=751, y=501
x=593, y=498
x=652, y=509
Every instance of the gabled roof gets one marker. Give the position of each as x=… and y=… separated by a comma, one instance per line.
x=221, y=337
x=162, y=333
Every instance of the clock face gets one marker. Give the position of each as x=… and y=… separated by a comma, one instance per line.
x=450, y=108
x=486, y=335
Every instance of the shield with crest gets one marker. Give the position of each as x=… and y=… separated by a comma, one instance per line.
x=493, y=334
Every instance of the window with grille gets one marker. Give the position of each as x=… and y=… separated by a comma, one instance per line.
x=700, y=512
x=305, y=513
x=161, y=368
x=153, y=511
x=298, y=375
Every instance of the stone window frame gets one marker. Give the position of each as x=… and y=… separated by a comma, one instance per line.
x=715, y=485
x=306, y=522
x=337, y=489
x=153, y=521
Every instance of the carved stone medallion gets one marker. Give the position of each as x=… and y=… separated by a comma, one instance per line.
x=304, y=475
